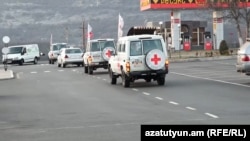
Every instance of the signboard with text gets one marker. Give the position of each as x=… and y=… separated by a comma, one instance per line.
x=187, y=4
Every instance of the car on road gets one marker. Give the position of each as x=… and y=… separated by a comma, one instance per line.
x=97, y=54
x=21, y=54
x=139, y=57
x=243, y=58
x=54, y=50
x=70, y=56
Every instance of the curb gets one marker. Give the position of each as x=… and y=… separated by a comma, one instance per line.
x=10, y=77
x=202, y=59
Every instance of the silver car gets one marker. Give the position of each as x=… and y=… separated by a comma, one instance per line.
x=243, y=58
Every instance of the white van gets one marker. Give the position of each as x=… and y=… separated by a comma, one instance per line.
x=20, y=54
x=54, y=51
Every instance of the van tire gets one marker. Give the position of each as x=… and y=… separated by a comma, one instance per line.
x=85, y=69
x=125, y=80
x=90, y=70
x=35, y=60
x=64, y=65
x=49, y=61
x=161, y=81
x=21, y=62
x=113, y=79
x=52, y=61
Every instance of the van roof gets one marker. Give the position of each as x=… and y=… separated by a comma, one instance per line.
x=22, y=45
x=97, y=40
x=142, y=36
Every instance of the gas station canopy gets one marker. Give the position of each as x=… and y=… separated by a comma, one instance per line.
x=188, y=4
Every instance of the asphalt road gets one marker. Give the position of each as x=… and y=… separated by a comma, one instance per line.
x=46, y=103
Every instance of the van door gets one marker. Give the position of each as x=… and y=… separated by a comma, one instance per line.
x=137, y=57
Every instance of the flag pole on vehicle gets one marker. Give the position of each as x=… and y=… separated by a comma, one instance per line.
x=120, y=26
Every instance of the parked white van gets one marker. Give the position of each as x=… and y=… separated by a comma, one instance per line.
x=20, y=54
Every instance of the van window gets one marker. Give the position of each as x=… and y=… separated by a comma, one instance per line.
x=95, y=46
x=135, y=48
x=151, y=44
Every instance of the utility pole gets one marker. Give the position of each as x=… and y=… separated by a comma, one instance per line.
x=83, y=35
x=66, y=34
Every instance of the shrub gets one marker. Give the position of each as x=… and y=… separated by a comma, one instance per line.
x=223, y=48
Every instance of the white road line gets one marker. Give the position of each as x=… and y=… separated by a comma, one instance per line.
x=174, y=103
x=145, y=93
x=104, y=79
x=135, y=90
x=46, y=71
x=98, y=77
x=215, y=80
x=60, y=70
x=211, y=115
x=159, y=98
x=191, y=108
x=73, y=70
x=18, y=77
x=33, y=72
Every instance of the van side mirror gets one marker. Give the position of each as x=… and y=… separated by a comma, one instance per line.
x=42, y=54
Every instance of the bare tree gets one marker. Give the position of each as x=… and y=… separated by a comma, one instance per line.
x=235, y=11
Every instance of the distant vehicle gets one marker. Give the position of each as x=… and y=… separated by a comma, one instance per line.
x=70, y=56
x=20, y=54
x=243, y=58
x=97, y=54
x=54, y=50
x=139, y=57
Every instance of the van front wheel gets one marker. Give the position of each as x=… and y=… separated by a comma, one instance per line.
x=21, y=62
x=35, y=61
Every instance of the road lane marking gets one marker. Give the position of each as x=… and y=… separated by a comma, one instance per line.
x=18, y=77
x=191, y=108
x=211, y=115
x=98, y=77
x=60, y=70
x=145, y=93
x=174, y=103
x=159, y=98
x=135, y=90
x=46, y=71
x=73, y=70
x=104, y=79
x=215, y=80
x=33, y=72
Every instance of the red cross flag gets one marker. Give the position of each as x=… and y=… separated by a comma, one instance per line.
x=90, y=33
x=155, y=59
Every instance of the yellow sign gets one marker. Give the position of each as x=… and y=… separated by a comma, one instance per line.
x=145, y=3
x=155, y=1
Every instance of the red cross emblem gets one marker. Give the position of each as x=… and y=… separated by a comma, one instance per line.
x=108, y=53
x=155, y=59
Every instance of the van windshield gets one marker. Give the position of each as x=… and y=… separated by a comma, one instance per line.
x=59, y=46
x=15, y=50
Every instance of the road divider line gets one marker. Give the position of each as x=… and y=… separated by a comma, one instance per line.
x=135, y=90
x=60, y=70
x=215, y=80
x=159, y=98
x=73, y=70
x=211, y=115
x=174, y=103
x=145, y=93
x=33, y=72
x=191, y=108
x=46, y=71
x=98, y=77
x=104, y=79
